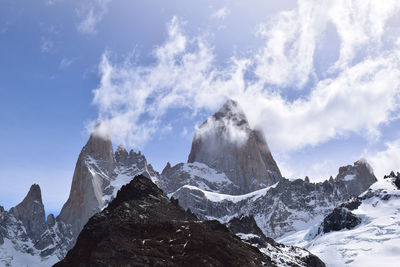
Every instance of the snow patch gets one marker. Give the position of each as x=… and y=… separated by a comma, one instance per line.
x=349, y=177
x=218, y=197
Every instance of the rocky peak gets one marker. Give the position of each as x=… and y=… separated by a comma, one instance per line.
x=31, y=212
x=93, y=168
x=357, y=177
x=166, y=168
x=99, y=146
x=51, y=220
x=121, y=155
x=233, y=112
x=226, y=143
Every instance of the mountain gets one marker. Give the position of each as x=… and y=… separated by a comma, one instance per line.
x=226, y=143
x=99, y=173
x=142, y=227
x=287, y=206
x=26, y=238
x=230, y=172
x=363, y=231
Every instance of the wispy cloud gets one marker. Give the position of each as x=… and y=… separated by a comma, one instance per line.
x=221, y=13
x=386, y=160
x=354, y=98
x=65, y=63
x=46, y=44
x=49, y=40
x=91, y=13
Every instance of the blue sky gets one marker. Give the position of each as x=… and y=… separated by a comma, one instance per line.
x=321, y=79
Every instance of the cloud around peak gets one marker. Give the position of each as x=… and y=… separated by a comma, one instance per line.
x=352, y=95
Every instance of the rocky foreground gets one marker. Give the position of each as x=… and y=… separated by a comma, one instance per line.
x=142, y=227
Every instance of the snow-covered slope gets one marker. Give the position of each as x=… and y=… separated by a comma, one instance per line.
x=246, y=228
x=196, y=174
x=373, y=242
x=12, y=255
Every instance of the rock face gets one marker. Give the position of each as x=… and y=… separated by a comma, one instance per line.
x=99, y=173
x=24, y=231
x=142, y=227
x=340, y=218
x=246, y=228
x=91, y=177
x=284, y=207
x=31, y=213
x=225, y=142
x=356, y=178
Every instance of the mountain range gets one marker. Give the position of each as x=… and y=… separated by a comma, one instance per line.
x=230, y=189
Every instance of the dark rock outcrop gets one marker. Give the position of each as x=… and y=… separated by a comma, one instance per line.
x=142, y=227
x=395, y=178
x=340, y=218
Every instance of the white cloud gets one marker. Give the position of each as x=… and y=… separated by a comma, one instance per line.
x=91, y=13
x=287, y=59
x=385, y=161
x=65, y=63
x=356, y=99
x=360, y=25
x=46, y=44
x=221, y=13
x=316, y=172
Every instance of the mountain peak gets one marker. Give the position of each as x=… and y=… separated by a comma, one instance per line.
x=31, y=212
x=99, y=147
x=226, y=143
x=231, y=110
x=34, y=193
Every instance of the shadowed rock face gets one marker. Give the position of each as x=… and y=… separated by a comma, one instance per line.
x=226, y=143
x=142, y=227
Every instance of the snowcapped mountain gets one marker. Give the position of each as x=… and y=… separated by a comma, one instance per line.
x=284, y=207
x=26, y=238
x=364, y=231
x=230, y=173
